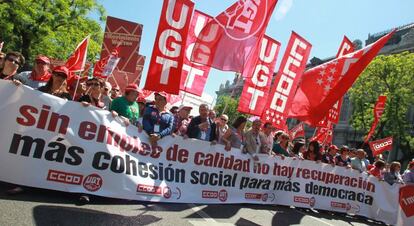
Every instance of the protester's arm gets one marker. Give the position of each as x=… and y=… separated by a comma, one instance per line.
x=146, y=121
x=167, y=131
x=193, y=129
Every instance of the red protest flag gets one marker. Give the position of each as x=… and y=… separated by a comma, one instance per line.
x=99, y=68
x=194, y=76
x=378, y=110
x=77, y=60
x=290, y=71
x=323, y=85
x=379, y=146
x=297, y=131
x=166, y=65
x=227, y=42
x=324, y=135
x=333, y=114
x=257, y=86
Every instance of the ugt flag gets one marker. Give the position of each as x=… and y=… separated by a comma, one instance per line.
x=231, y=38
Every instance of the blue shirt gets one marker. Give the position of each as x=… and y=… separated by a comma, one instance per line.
x=153, y=117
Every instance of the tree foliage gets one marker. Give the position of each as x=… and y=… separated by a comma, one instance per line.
x=50, y=27
x=393, y=76
x=231, y=104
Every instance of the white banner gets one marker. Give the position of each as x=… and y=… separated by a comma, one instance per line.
x=51, y=143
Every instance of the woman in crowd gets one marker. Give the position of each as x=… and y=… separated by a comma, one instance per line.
x=57, y=84
x=378, y=169
x=343, y=159
x=12, y=61
x=93, y=95
x=234, y=136
x=299, y=149
x=222, y=127
x=393, y=176
x=313, y=153
x=281, y=147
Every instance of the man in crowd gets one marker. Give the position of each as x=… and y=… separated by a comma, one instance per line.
x=329, y=157
x=408, y=176
x=358, y=163
x=202, y=127
x=126, y=106
x=37, y=77
x=157, y=121
x=266, y=138
x=12, y=62
x=106, y=99
x=252, y=144
x=212, y=115
x=115, y=92
x=181, y=120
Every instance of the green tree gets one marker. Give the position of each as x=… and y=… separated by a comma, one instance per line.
x=50, y=27
x=393, y=76
x=231, y=104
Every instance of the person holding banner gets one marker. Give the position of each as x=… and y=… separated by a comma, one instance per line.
x=234, y=136
x=181, y=120
x=157, y=121
x=408, y=176
x=106, y=99
x=252, y=142
x=222, y=127
x=57, y=84
x=93, y=95
x=299, y=149
x=358, y=162
x=12, y=61
x=329, y=157
x=126, y=106
x=343, y=159
x=38, y=76
x=313, y=153
x=266, y=137
x=115, y=92
x=378, y=170
x=201, y=127
x=393, y=176
x=281, y=147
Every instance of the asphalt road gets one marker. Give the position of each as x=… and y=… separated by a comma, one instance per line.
x=46, y=207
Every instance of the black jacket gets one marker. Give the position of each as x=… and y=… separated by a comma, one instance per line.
x=193, y=131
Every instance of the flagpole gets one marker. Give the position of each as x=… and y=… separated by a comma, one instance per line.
x=76, y=87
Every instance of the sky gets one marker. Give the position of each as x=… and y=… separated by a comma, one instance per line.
x=321, y=22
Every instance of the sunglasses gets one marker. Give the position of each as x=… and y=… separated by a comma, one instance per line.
x=224, y=119
x=15, y=61
x=95, y=84
x=116, y=90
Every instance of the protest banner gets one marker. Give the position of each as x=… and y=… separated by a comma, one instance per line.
x=72, y=148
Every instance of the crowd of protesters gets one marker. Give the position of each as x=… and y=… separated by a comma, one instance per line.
x=157, y=121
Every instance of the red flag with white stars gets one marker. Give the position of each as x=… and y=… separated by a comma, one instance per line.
x=333, y=114
x=324, y=135
x=323, y=85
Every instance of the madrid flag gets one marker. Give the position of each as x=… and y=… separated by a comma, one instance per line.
x=318, y=90
x=227, y=42
x=77, y=60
